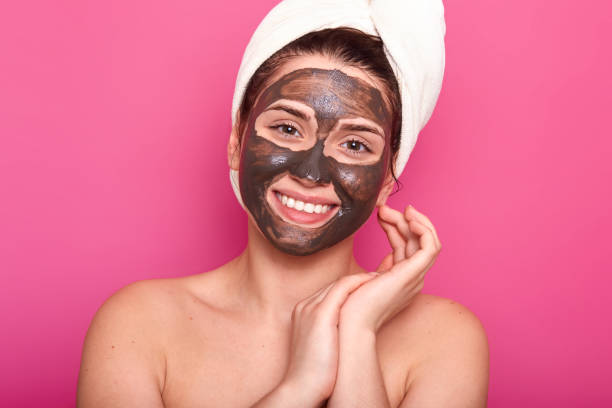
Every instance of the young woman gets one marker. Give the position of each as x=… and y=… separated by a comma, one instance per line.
x=294, y=321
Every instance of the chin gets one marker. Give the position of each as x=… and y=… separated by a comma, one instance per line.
x=296, y=249
x=299, y=240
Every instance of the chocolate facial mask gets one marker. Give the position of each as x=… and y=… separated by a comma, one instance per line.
x=309, y=141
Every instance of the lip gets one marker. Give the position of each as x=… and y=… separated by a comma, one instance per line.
x=299, y=218
x=306, y=199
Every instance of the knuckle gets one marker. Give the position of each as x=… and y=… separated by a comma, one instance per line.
x=310, y=308
x=345, y=281
x=298, y=308
x=318, y=311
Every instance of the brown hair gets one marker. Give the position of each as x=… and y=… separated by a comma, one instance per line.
x=346, y=44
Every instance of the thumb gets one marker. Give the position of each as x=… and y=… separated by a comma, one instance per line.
x=386, y=263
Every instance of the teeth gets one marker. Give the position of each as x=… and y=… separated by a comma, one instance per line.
x=309, y=208
x=302, y=206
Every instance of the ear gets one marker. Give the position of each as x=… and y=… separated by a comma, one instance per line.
x=233, y=150
x=386, y=190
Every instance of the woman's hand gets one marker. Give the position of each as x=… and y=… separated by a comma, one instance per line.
x=415, y=245
x=313, y=361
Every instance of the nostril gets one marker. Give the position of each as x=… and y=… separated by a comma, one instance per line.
x=308, y=180
x=309, y=174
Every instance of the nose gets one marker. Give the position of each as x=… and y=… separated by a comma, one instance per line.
x=313, y=168
x=306, y=182
x=308, y=171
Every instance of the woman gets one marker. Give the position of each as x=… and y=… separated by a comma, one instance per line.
x=294, y=321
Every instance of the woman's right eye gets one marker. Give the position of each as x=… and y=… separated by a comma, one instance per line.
x=287, y=130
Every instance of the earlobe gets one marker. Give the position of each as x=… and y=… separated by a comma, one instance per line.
x=233, y=153
x=385, y=191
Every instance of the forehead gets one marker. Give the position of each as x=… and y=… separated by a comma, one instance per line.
x=331, y=93
x=322, y=62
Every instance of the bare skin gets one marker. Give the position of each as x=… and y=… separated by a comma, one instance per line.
x=222, y=338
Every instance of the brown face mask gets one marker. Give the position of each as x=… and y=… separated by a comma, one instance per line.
x=332, y=95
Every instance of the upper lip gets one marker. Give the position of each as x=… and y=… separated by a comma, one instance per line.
x=306, y=199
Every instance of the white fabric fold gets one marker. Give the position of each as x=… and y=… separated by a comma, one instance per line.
x=413, y=35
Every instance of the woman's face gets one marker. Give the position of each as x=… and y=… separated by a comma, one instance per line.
x=314, y=155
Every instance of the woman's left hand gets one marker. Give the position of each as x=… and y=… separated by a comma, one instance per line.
x=415, y=246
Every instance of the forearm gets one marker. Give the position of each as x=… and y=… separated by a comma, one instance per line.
x=359, y=382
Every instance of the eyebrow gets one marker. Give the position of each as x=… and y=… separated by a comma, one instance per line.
x=291, y=110
x=346, y=126
x=361, y=128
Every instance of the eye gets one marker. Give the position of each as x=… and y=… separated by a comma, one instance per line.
x=356, y=147
x=287, y=129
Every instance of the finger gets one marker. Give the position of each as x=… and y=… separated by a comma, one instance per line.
x=395, y=218
x=310, y=300
x=412, y=269
x=386, y=263
x=413, y=245
x=401, y=222
x=340, y=291
x=412, y=213
x=426, y=237
x=416, y=265
x=323, y=293
x=320, y=294
x=396, y=240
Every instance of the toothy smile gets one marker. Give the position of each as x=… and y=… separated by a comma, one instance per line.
x=300, y=205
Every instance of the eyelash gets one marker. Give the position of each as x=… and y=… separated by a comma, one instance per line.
x=285, y=133
x=357, y=152
x=350, y=151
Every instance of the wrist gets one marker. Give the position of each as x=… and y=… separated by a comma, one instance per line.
x=355, y=340
x=294, y=396
x=357, y=333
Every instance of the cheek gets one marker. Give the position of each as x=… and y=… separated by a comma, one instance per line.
x=362, y=183
x=263, y=161
x=260, y=156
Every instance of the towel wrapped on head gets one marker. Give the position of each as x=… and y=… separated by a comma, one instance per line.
x=412, y=32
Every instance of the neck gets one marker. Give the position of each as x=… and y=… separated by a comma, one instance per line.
x=271, y=282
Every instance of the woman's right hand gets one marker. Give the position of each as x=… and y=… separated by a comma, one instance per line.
x=313, y=360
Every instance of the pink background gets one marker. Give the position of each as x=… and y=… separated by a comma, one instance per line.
x=114, y=119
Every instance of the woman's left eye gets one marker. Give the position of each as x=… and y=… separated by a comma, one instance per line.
x=356, y=147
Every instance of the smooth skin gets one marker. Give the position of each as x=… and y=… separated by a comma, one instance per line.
x=268, y=329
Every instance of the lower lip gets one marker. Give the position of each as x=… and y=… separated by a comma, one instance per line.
x=301, y=217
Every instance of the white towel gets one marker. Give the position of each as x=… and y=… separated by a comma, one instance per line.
x=413, y=35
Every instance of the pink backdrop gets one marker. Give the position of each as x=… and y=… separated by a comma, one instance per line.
x=114, y=119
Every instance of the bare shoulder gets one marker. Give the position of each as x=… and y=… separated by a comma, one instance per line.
x=123, y=359
x=439, y=314
x=142, y=304
x=151, y=304
x=450, y=354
